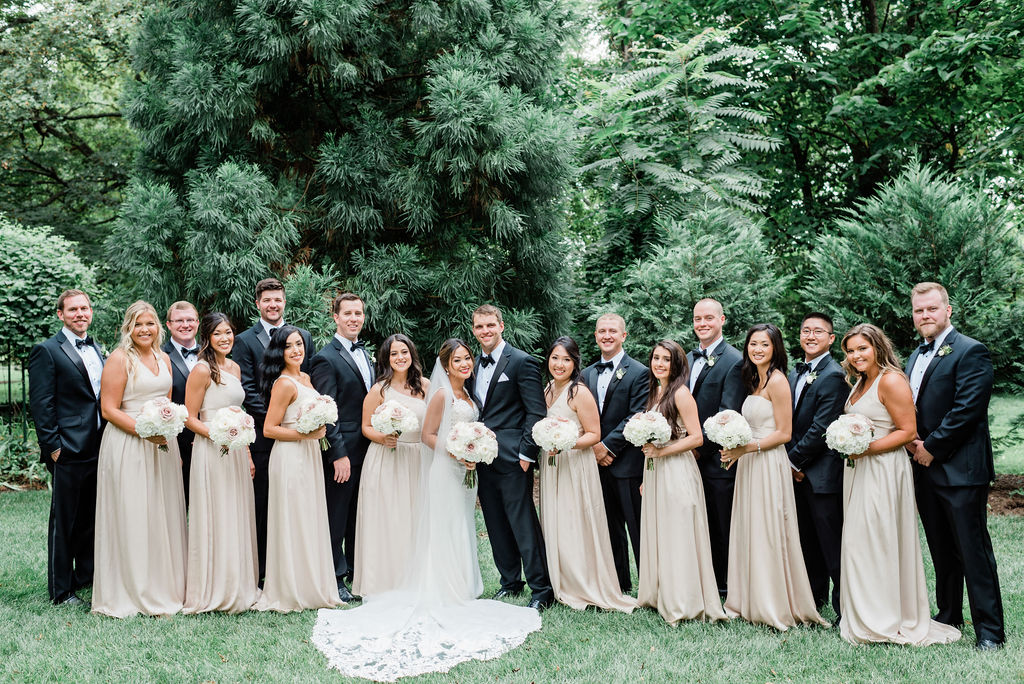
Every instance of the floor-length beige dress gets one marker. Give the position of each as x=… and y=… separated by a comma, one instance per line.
x=676, y=574
x=300, y=565
x=767, y=578
x=389, y=492
x=882, y=591
x=575, y=526
x=222, y=564
x=140, y=513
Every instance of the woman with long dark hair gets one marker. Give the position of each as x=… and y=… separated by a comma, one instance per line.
x=390, y=483
x=300, y=565
x=572, y=513
x=222, y=565
x=767, y=578
x=677, y=576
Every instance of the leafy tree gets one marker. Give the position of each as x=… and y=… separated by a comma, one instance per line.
x=35, y=267
x=925, y=226
x=415, y=144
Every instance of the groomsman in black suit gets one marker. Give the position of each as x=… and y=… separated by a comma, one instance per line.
x=343, y=370
x=716, y=385
x=507, y=387
x=951, y=377
x=183, y=349
x=64, y=394
x=819, y=395
x=620, y=385
x=248, y=354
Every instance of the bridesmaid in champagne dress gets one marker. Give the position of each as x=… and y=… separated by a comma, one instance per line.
x=222, y=517
x=677, y=576
x=882, y=591
x=140, y=499
x=300, y=565
x=392, y=472
x=767, y=578
x=572, y=514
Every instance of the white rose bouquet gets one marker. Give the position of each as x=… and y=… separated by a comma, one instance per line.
x=314, y=414
x=161, y=417
x=555, y=433
x=649, y=427
x=850, y=434
x=393, y=418
x=728, y=429
x=232, y=428
x=474, y=443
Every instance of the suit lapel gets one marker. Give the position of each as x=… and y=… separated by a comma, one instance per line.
x=700, y=377
x=69, y=348
x=347, y=358
x=176, y=360
x=369, y=364
x=616, y=377
x=936, y=360
x=261, y=334
x=499, y=368
x=590, y=377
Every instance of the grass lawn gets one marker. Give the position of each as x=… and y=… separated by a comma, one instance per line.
x=1003, y=409
x=39, y=642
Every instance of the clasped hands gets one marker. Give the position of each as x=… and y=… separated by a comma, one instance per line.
x=919, y=453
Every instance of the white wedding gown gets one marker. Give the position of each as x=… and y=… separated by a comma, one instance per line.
x=434, y=621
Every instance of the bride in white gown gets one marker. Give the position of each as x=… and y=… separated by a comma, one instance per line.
x=434, y=621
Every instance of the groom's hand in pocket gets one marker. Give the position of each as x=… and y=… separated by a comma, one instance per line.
x=525, y=465
x=342, y=470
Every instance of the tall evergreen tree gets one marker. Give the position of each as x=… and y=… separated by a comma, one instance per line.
x=414, y=146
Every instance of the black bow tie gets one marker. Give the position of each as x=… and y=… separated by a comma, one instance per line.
x=926, y=347
x=87, y=342
x=185, y=353
x=358, y=344
x=272, y=331
x=603, y=366
x=486, y=360
x=699, y=353
x=802, y=367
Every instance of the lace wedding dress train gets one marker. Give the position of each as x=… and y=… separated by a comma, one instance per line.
x=434, y=621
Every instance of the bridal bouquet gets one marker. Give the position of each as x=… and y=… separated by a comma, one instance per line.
x=314, y=414
x=649, y=427
x=161, y=417
x=728, y=429
x=555, y=433
x=393, y=418
x=232, y=428
x=474, y=443
x=850, y=434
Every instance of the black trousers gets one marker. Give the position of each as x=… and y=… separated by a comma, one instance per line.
x=342, y=500
x=955, y=521
x=506, y=500
x=185, y=450
x=260, y=488
x=820, y=518
x=718, y=501
x=72, y=526
x=622, y=506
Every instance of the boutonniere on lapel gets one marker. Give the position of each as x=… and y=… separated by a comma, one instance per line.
x=711, y=361
x=944, y=350
x=811, y=377
x=619, y=373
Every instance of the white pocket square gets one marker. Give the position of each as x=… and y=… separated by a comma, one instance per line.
x=503, y=378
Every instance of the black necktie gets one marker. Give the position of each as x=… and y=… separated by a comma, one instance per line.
x=185, y=353
x=87, y=342
x=603, y=366
x=699, y=353
x=272, y=331
x=486, y=360
x=358, y=344
x=802, y=368
x=926, y=347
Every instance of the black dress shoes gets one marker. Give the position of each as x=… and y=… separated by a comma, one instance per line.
x=539, y=605
x=988, y=645
x=506, y=593
x=72, y=601
x=347, y=596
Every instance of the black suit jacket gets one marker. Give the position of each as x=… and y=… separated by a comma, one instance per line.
x=718, y=387
x=512, y=406
x=335, y=374
x=626, y=396
x=952, y=413
x=64, y=408
x=179, y=378
x=821, y=403
x=248, y=354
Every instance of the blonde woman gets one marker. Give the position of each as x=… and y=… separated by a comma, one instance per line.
x=140, y=501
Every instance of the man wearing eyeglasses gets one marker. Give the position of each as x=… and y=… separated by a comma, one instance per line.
x=819, y=396
x=183, y=348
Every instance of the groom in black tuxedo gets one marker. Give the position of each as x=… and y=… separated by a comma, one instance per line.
x=620, y=385
x=507, y=387
x=183, y=350
x=343, y=370
x=64, y=395
x=819, y=395
x=248, y=354
x=716, y=385
x=951, y=378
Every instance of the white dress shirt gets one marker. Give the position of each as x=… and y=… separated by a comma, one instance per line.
x=485, y=374
x=801, y=381
x=604, y=378
x=267, y=327
x=91, y=359
x=700, y=362
x=359, y=356
x=924, y=360
x=192, y=359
